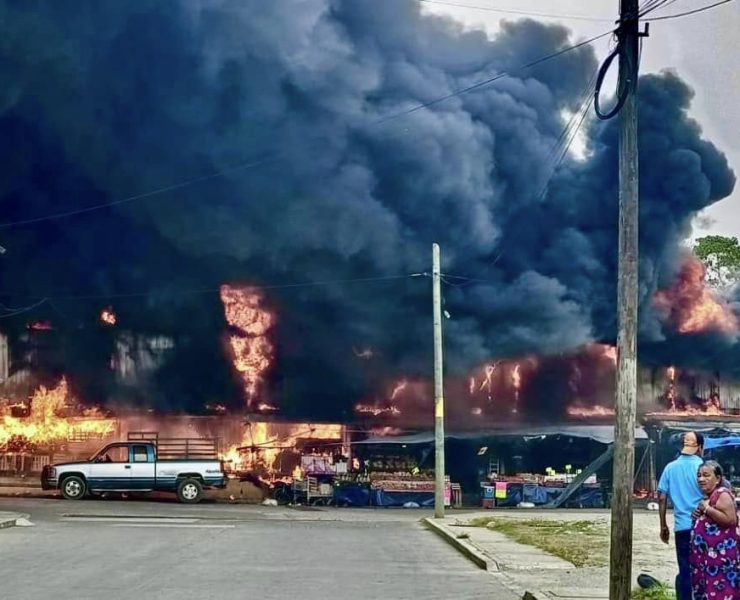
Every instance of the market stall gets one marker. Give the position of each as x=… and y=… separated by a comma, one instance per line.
x=391, y=476
x=536, y=465
x=539, y=490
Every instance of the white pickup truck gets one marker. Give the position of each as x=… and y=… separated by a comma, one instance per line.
x=133, y=466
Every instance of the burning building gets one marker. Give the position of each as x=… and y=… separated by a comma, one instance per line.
x=269, y=265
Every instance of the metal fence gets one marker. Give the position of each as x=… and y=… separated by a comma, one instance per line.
x=15, y=463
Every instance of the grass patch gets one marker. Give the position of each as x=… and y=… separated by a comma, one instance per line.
x=583, y=543
x=656, y=593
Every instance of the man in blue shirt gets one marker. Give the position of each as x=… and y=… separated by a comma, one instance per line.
x=679, y=483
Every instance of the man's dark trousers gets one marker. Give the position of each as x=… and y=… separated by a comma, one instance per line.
x=683, y=579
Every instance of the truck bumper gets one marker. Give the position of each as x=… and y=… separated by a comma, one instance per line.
x=47, y=483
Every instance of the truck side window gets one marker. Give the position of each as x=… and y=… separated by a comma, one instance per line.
x=116, y=454
x=140, y=454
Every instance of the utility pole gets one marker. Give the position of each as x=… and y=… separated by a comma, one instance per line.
x=620, y=569
x=439, y=399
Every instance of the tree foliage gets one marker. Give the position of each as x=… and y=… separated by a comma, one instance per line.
x=721, y=257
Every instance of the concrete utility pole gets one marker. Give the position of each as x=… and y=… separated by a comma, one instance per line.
x=439, y=399
x=620, y=569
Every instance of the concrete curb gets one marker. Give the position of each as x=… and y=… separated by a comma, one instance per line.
x=11, y=521
x=483, y=561
x=462, y=545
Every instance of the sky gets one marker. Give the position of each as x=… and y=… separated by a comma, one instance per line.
x=699, y=48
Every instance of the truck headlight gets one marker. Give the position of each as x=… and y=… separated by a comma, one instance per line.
x=52, y=473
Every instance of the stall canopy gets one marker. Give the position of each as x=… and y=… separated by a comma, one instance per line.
x=721, y=442
x=603, y=434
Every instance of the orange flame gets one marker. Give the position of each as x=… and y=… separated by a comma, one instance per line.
x=376, y=410
x=487, y=382
x=516, y=380
x=107, y=316
x=586, y=412
x=400, y=386
x=44, y=426
x=691, y=307
x=263, y=443
x=253, y=351
x=382, y=431
x=610, y=352
x=671, y=393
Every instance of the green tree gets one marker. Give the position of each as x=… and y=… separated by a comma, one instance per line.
x=721, y=257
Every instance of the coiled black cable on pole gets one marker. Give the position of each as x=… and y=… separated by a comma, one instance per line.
x=622, y=87
x=626, y=82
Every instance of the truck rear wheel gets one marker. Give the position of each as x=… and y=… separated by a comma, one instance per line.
x=73, y=487
x=189, y=491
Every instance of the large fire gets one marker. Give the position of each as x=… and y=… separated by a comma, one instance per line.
x=251, y=323
x=45, y=424
x=681, y=396
x=692, y=307
x=270, y=448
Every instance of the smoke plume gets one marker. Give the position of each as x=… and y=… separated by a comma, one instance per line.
x=103, y=100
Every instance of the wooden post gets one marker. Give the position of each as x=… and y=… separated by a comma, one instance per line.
x=620, y=569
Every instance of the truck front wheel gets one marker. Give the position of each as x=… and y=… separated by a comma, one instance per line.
x=189, y=491
x=73, y=487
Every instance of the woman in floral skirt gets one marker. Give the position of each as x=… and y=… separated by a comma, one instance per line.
x=715, y=565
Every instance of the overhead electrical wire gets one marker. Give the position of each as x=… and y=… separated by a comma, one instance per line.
x=23, y=310
x=689, y=12
x=496, y=77
x=303, y=284
x=525, y=13
x=647, y=8
x=564, y=142
x=266, y=159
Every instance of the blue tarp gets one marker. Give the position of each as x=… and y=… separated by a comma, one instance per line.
x=721, y=442
x=382, y=498
x=356, y=495
x=599, y=433
x=586, y=497
x=352, y=495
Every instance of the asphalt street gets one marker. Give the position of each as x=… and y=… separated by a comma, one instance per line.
x=144, y=550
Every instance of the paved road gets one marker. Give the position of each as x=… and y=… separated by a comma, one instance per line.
x=112, y=550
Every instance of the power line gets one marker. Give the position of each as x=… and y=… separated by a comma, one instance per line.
x=162, y=190
x=689, y=12
x=500, y=75
x=24, y=310
x=303, y=284
x=258, y=162
x=520, y=12
x=568, y=135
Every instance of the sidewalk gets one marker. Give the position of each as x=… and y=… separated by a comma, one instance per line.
x=25, y=487
x=30, y=482
x=527, y=569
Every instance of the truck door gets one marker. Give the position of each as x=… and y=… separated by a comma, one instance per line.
x=111, y=469
x=142, y=467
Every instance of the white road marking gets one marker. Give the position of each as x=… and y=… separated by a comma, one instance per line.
x=139, y=520
x=173, y=525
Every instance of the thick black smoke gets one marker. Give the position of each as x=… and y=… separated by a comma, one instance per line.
x=101, y=100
